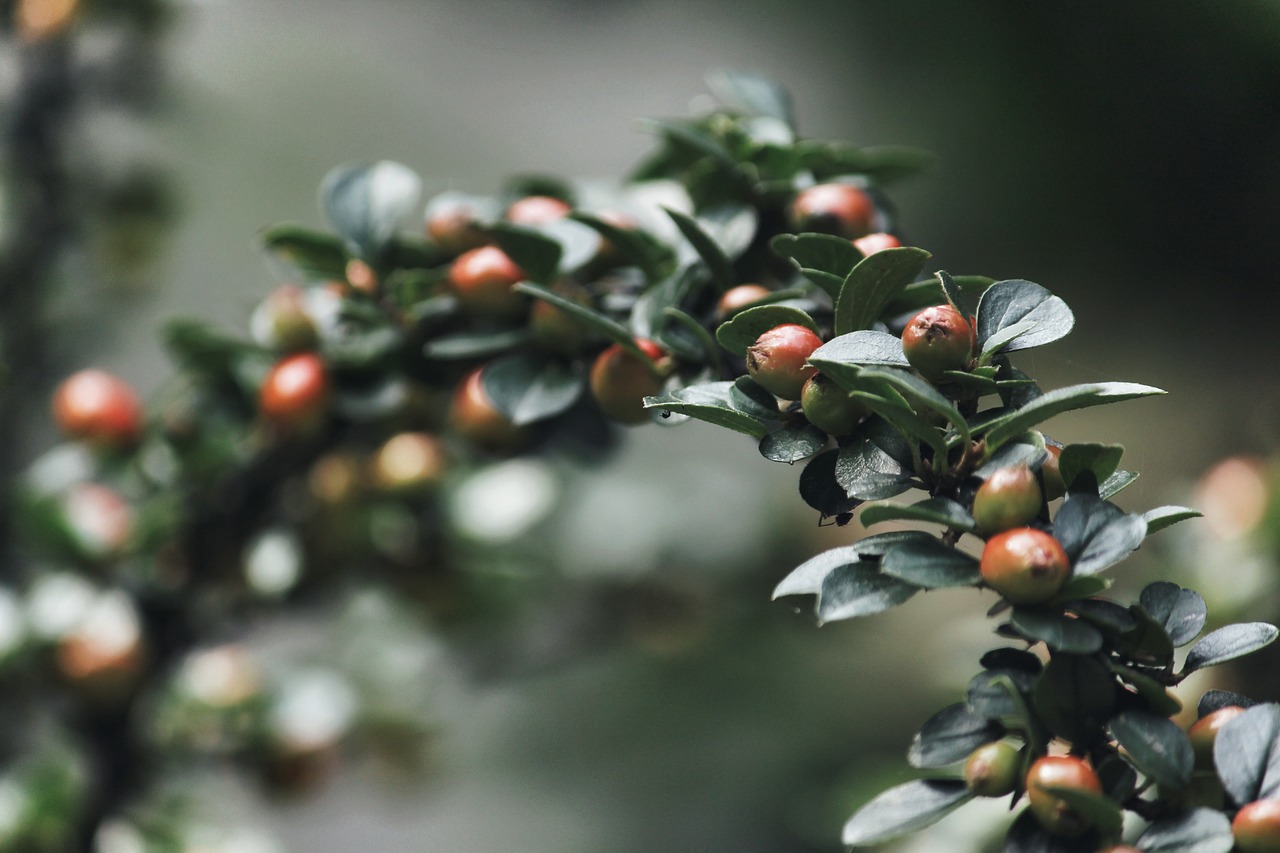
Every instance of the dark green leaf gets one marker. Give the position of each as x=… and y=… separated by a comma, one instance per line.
x=710, y=402
x=535, y=253
x=717, y=263
x=942, y=511
x=949, y=736
x=1095, y=534
x=950, y=290
x=824, y=259
x=873, y=284
x=610, y=329
x=746, y=326
x=1058, y=632
x=904, y=809
x=366, y=201
x=1082, y=587
x=748, y=397
x=883, y=163
x=687, y=135
x=633, y=245
x=920, y=394
x=1247, y=754
x=1101, y=460
x=751, y=94
x=319, y=257
x=1028, y=836
x=792, y=443
x=1007, y=303
x=820, y=489
x=807, y=578
x=1182, y=612
x=1229, y=643
x=989, y=692
x=1106, y=614
x=732, y=227
x=1156, y=746
x=1116, y=483
x=1063, y=400
x=1192, y=831
x=465, y=345
x=922, y=294
x=859, y=590
x=1006, y=658
x=930, y=564
x=1012, y=455
x=1005, y=337
x=1158, y=699
x=579, y=244
x=1103, y=813
x=530, y=388
x=1075, y=696
x=860, y=348
x=1214, y=700
x=1147, y=642
x=875, y=547
x=1165, y=516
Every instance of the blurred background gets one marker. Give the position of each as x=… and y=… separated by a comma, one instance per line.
x=1122, y=155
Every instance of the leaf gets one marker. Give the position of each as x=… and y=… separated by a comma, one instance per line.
x=1105, y=613
x=1156, y=746
x=1003, y=337
x=710, y=402
x=922, y=294
x=1013, y=455
x=904, y=809
x=791, y=444
x=1116, y=483
x=919, y=393
x=992, y=693
x=531, y=388
x=718, y=264
x=930, y=564
x=1246, y=753
x=1008, y=303
x=1166, y=516
x=633, y=245
x=1096, y=535
x=746, y=326
x=873, y=284
x=1007, y=658
x=950, y=290
x=1075, y=696
x=807, y=578
x=1182, y=612
x=1102, y=812
x=1214, y=700
x=824, y=259
x=366, y=201
x=317, y=256
x=1191, y=831
x=466, y=345
x=1229, y=643
x=1147, y=642
x=1158, y=699
x=868, y=473
x=950, y=736
x=820, y=489
x=751, y=94
x=1058, y=632
x=1101, y=460
x=610, y=329
x=1063, y=400
x=535, y=253
x=1028, y=836
x=883, y=163
x=748, y=397
x=942, y=511
x=859, y=348
x=859, y=590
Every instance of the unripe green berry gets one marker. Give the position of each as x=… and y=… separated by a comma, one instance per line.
x=938, y=339
x=1256, y=827
x=1025, y=565
x=1060, y=771
x=1010, y=497
x=778, y=359
x=620, y=381
x=992, y=769
x=829, y=407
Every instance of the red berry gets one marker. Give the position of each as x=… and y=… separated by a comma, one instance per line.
x=453, y=227
x=992, y=769
x=1204, y=732
x=1060, y=771
x=1051, y=474
x=876, y=242
x=840, y=209
x=778, y=358
x=482, y=279
x=1256, y=827
x=735, y=299
x=620, y=381
x=474, y=416
x=938, y=339
x=829, y=407
x=99, y=408
x=1025, y=565
x=537, y=210
x=296, y=392
x=1010, y=497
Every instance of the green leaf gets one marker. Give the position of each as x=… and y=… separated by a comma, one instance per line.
x=994, y=693
x=530, y=388
x=919, y=393
x=1229, y=643
x=1004, y=337
x=1057, y=631
x=1095, y=534
x=868, y=473
x=748, y=397
x=882, y=163
x=1246, y=753
x=610, y=329
x=1028, y=836
x=746, y=326
x=859, y=590
x=1100, y=460
x=820, y=489
x=873, y=284
x=1075, y=696
x=1214, y=700
x=824, y=259
x=1105, y=614
x=859, y=348
x=942, y=511
x=710, y=402
x=1082, y=587
x=1182, y=612
x=1159, y=701
x=1104, y=813
x=1063, y=400
x=317, y=256
x=904, y=809
x=1191, y=831
x=1147, y=642
x=366, y=201
x=535, y=253
x=923, y=294
x=688, y=135
x=579, y=244
x=1009, y=303
x=950, y=290
x=1156, y=746
x=730, y=226
x=466, y=345
x=1116, y=483
x=930, y=564
x=634, y=245
x=950, y=736
x=1166, y=516
x=807, y=578
x=791, y=444
x=720, y=267
x=751, y=94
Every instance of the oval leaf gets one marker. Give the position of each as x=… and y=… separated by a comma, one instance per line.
x=1057, y=631
x=1247, y=754
x=942, y=511
x=859, y=590
x=1062, y=400
x=366, y=201
x=905, y=809
x=1156, y=746
x=1229, y=643
x=1166, y=516
x=1010, y=303
x=873, y=284
x=1182, y=612
x=950, y=735
x=1193, y=831
x=806, y=578
x=860, y=348
x=820, y=489
x=528, y=389
x=930, y=564
x=709, y=402
x=746, y=326
x=793, y=443
x=718, y=264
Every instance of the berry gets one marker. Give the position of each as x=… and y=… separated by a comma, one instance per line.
x=98, y=408
x=1025, y=565
x=362, y=277
x=1204, y=732
x=295, y=393
x=482, y=280
x=938, y=339
x=453, y=226
x=876, y=242
x=537, y=210
x=829, y=407
x=1051, y=474
x=735, y=299
x=1060, y=771
x=1257, y=827
x=555, y=329
x=1010, y=497
x=408, y=463
x=474, y=416
x=283, y=320
x=778, y=358
x=840, y=209
x=992, y=769
x=620, y=381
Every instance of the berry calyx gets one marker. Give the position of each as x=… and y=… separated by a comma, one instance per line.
x=829, y=407
x=1025, y=565
x=1204, y=732
x=620, y=381
x=938, y=339
x=742, y=296
x=840, y=209
x=476, y=418
x=295, y=394
x=1010, y=497
x=992, y=769
x=537, y=210
x=1060, y=771
x=1256, y=827
x=779, y=357
x=482, y=280
x=98, y=408
x=876, y=242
